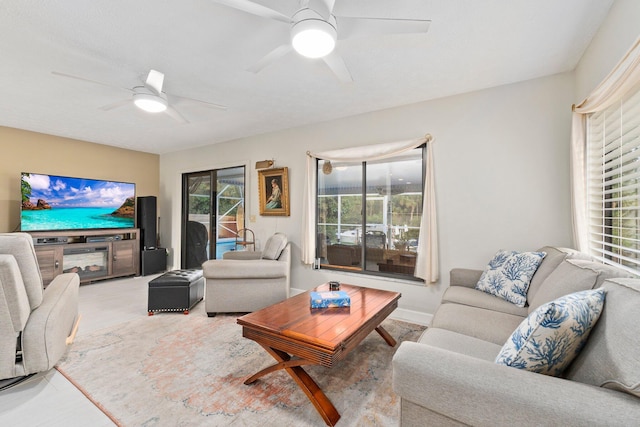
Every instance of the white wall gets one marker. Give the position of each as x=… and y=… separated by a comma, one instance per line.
x=614, y=38
x=501, y=165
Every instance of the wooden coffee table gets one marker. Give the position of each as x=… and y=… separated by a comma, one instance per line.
x=296, y=335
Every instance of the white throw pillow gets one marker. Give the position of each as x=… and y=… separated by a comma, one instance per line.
x=509, y=274
x=552, y=336
x=274, y=246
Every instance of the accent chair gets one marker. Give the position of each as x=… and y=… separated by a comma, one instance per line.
x=36, y=323
x=246, y=281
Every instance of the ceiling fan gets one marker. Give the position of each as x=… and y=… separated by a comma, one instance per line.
x=148, y=97
x=315, y=29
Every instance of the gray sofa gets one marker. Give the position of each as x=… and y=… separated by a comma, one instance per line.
x=449, y=376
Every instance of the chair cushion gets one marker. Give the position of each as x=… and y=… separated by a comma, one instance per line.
x=14, y=293
x=610, y=358
x=274, y=246
x=508, y=275
x=20, y=245
x=549, y=338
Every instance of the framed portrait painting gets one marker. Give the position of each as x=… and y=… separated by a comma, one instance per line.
x=273, y=187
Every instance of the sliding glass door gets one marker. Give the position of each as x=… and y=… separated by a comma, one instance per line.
x=212, y=213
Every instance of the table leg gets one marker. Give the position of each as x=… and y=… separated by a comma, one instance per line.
x=323, y=405
x=387, y=337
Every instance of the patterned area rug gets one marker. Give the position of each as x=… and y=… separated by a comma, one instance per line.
x=172, y=369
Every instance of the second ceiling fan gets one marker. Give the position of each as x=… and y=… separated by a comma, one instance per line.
x=149, y=97
x=315, y=30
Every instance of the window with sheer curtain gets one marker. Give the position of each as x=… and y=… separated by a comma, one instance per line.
x=613, y=182
x=356, y=206
x=369, y=213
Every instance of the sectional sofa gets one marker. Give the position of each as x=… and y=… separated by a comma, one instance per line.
x=450, y=376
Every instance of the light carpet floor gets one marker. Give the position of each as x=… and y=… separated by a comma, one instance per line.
x=172, y=369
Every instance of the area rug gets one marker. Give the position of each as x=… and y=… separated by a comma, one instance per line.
x=177, y=370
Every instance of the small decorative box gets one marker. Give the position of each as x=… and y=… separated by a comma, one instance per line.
x=330, y=299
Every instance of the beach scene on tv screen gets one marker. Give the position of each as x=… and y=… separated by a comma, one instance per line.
x=52, y=202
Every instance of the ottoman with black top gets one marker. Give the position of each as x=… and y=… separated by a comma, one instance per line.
x=177, y=290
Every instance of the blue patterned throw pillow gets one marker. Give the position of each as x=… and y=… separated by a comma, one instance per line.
x=553, y=334
x=508, y=275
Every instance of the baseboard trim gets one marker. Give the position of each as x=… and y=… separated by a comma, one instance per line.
x=401, y=314
x=411, y=316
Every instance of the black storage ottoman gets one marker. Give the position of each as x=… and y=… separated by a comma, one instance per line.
x=177, y=290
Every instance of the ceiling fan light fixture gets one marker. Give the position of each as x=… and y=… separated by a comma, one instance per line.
x=313, y=38
x=150, y=103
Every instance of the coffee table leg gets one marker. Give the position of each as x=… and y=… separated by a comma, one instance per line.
x=387, y=337
x=323, y=405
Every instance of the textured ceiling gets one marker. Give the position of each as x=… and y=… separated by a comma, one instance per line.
x=204, y=50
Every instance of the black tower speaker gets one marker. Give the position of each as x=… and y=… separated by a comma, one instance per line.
x=147, y=221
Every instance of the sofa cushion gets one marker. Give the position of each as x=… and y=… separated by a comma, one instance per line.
x=476, y=298
x=567, y=278
x=487, y=325
x=274, y=246
x=606, y=271
x=573, y=275
x=508, y=275
x=610, y=358
x=549, y=338
x=459, y=343
x=555, y=256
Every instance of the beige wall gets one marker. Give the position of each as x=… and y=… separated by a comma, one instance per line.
x=24, y=151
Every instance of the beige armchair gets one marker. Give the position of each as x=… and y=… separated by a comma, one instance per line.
x=246, y=281
x=36, y=324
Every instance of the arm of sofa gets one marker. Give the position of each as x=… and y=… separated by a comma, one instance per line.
x=464, y=277
x=479, y=392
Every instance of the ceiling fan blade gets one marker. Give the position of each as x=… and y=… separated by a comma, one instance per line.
x=71, y=76
x=270, y=57
x=350, y=27
x=155, y=80
x=205, y=103
x=175, y=115
x=255, y=9
x=323, y=8
x=117, y=104
x=339, y=68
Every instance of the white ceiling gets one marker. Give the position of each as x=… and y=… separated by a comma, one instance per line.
x=205, y=48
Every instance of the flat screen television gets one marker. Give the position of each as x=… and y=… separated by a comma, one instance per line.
x=51, y=202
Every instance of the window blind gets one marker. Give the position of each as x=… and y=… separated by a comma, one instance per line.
x=613, y=183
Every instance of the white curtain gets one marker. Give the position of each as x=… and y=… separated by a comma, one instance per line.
x=624, y=77
x=427, y=258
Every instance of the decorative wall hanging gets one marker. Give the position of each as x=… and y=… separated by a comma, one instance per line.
x=273, y=187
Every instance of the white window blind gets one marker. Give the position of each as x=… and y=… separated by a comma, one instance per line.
x=613, y=183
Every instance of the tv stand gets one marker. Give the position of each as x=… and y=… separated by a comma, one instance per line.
x=93, y=254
